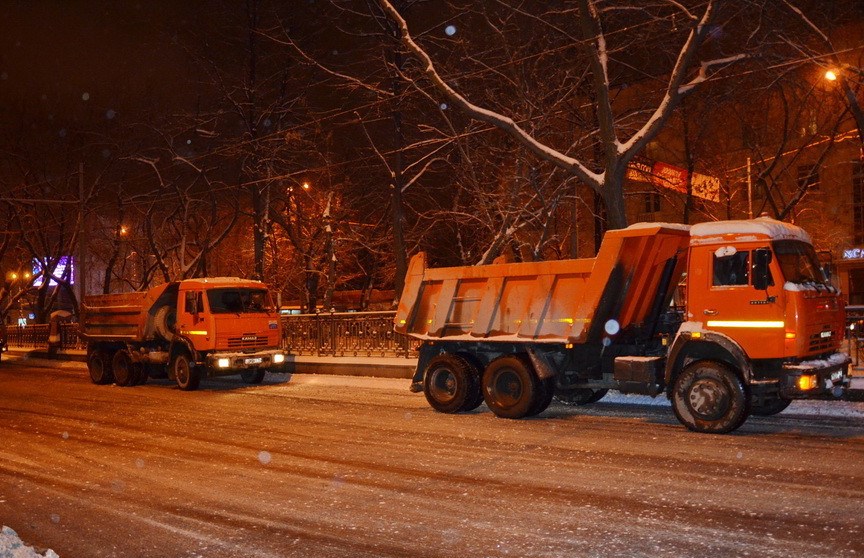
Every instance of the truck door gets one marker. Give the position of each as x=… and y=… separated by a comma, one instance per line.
x=724, y=298
x=190, y=315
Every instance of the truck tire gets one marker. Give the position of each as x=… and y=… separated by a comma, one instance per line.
x=510, y=387
x=141, y=373
x=124, y=371
x=581, y=396
x=253, y=375
x=450, y=384
x=709, y=397
x=545, y=393
x=475, y=398
x=185, y=373
x=99, y=367
x=768, y=406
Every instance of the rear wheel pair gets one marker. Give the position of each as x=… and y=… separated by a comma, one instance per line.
x=509, y=386
x=105, y=367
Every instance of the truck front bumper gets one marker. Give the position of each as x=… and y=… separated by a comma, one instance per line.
x=826, y=378
x=232, y=363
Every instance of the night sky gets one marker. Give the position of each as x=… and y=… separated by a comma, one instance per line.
x=102, y=56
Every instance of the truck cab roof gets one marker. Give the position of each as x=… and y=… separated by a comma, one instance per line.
x=763, y=228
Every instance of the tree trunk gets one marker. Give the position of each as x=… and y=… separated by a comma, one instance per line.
x=397, y=210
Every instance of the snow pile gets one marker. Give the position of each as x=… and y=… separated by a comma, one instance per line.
x=12, y=547
x=764, y=226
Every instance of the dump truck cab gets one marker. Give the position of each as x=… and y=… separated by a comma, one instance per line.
x=757, y=294
x=226, y=315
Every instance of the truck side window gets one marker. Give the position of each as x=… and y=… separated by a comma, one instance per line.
x=194, y=302
x=733, y=269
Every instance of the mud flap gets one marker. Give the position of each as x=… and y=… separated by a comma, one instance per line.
x=541, y=366
x=426, y=354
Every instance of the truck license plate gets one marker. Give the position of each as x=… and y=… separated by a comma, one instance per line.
x=825, y=334
x=256, y=360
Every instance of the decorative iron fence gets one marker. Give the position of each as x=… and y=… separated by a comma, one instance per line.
x=35, y=336
x=29, y=337
x=366, y=334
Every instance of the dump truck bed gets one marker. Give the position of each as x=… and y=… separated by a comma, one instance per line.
x=124, y=316
x=113, y=316
x=564, y=301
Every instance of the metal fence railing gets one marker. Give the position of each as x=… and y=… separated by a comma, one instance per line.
x=346, y=334
x=368, y=334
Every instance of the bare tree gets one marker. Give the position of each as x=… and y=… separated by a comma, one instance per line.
x=594, y=23
x=823, y=49
x=185, y=218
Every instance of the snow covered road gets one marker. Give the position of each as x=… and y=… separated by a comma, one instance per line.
x=336, y=466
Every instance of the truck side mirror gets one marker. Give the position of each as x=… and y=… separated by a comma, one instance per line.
x=761, y=273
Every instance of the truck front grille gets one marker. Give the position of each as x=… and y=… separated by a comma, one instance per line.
x=820, y=343
x=247, y=341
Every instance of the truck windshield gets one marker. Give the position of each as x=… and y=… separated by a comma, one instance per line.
x=799, y=263
x=239, y=301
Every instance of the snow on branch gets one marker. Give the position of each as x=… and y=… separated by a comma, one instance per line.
x=484, y=115
x=704, y=69
x=808, y=22
x=676, y=87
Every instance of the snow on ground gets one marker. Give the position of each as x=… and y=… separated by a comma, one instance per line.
x=812, y=408
x=12, y=547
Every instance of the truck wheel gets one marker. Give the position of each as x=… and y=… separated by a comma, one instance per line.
x=545, y=393
x=187, y=375
x=709, y=397
x=141, y=373
x=124, y=371
x=253, y=375
x=450, y=384
x=510, y=387
x=475, y=398
x=768, y=406
x=581, y=396
x=100, y=368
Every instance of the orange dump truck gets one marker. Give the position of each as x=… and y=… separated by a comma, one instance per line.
x=761, y=325
x=185, y=330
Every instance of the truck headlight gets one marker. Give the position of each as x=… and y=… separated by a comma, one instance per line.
x=807, y=382
x=223, y=363
x=278, y=358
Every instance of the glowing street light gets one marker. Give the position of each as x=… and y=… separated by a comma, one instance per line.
x=831, y=75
